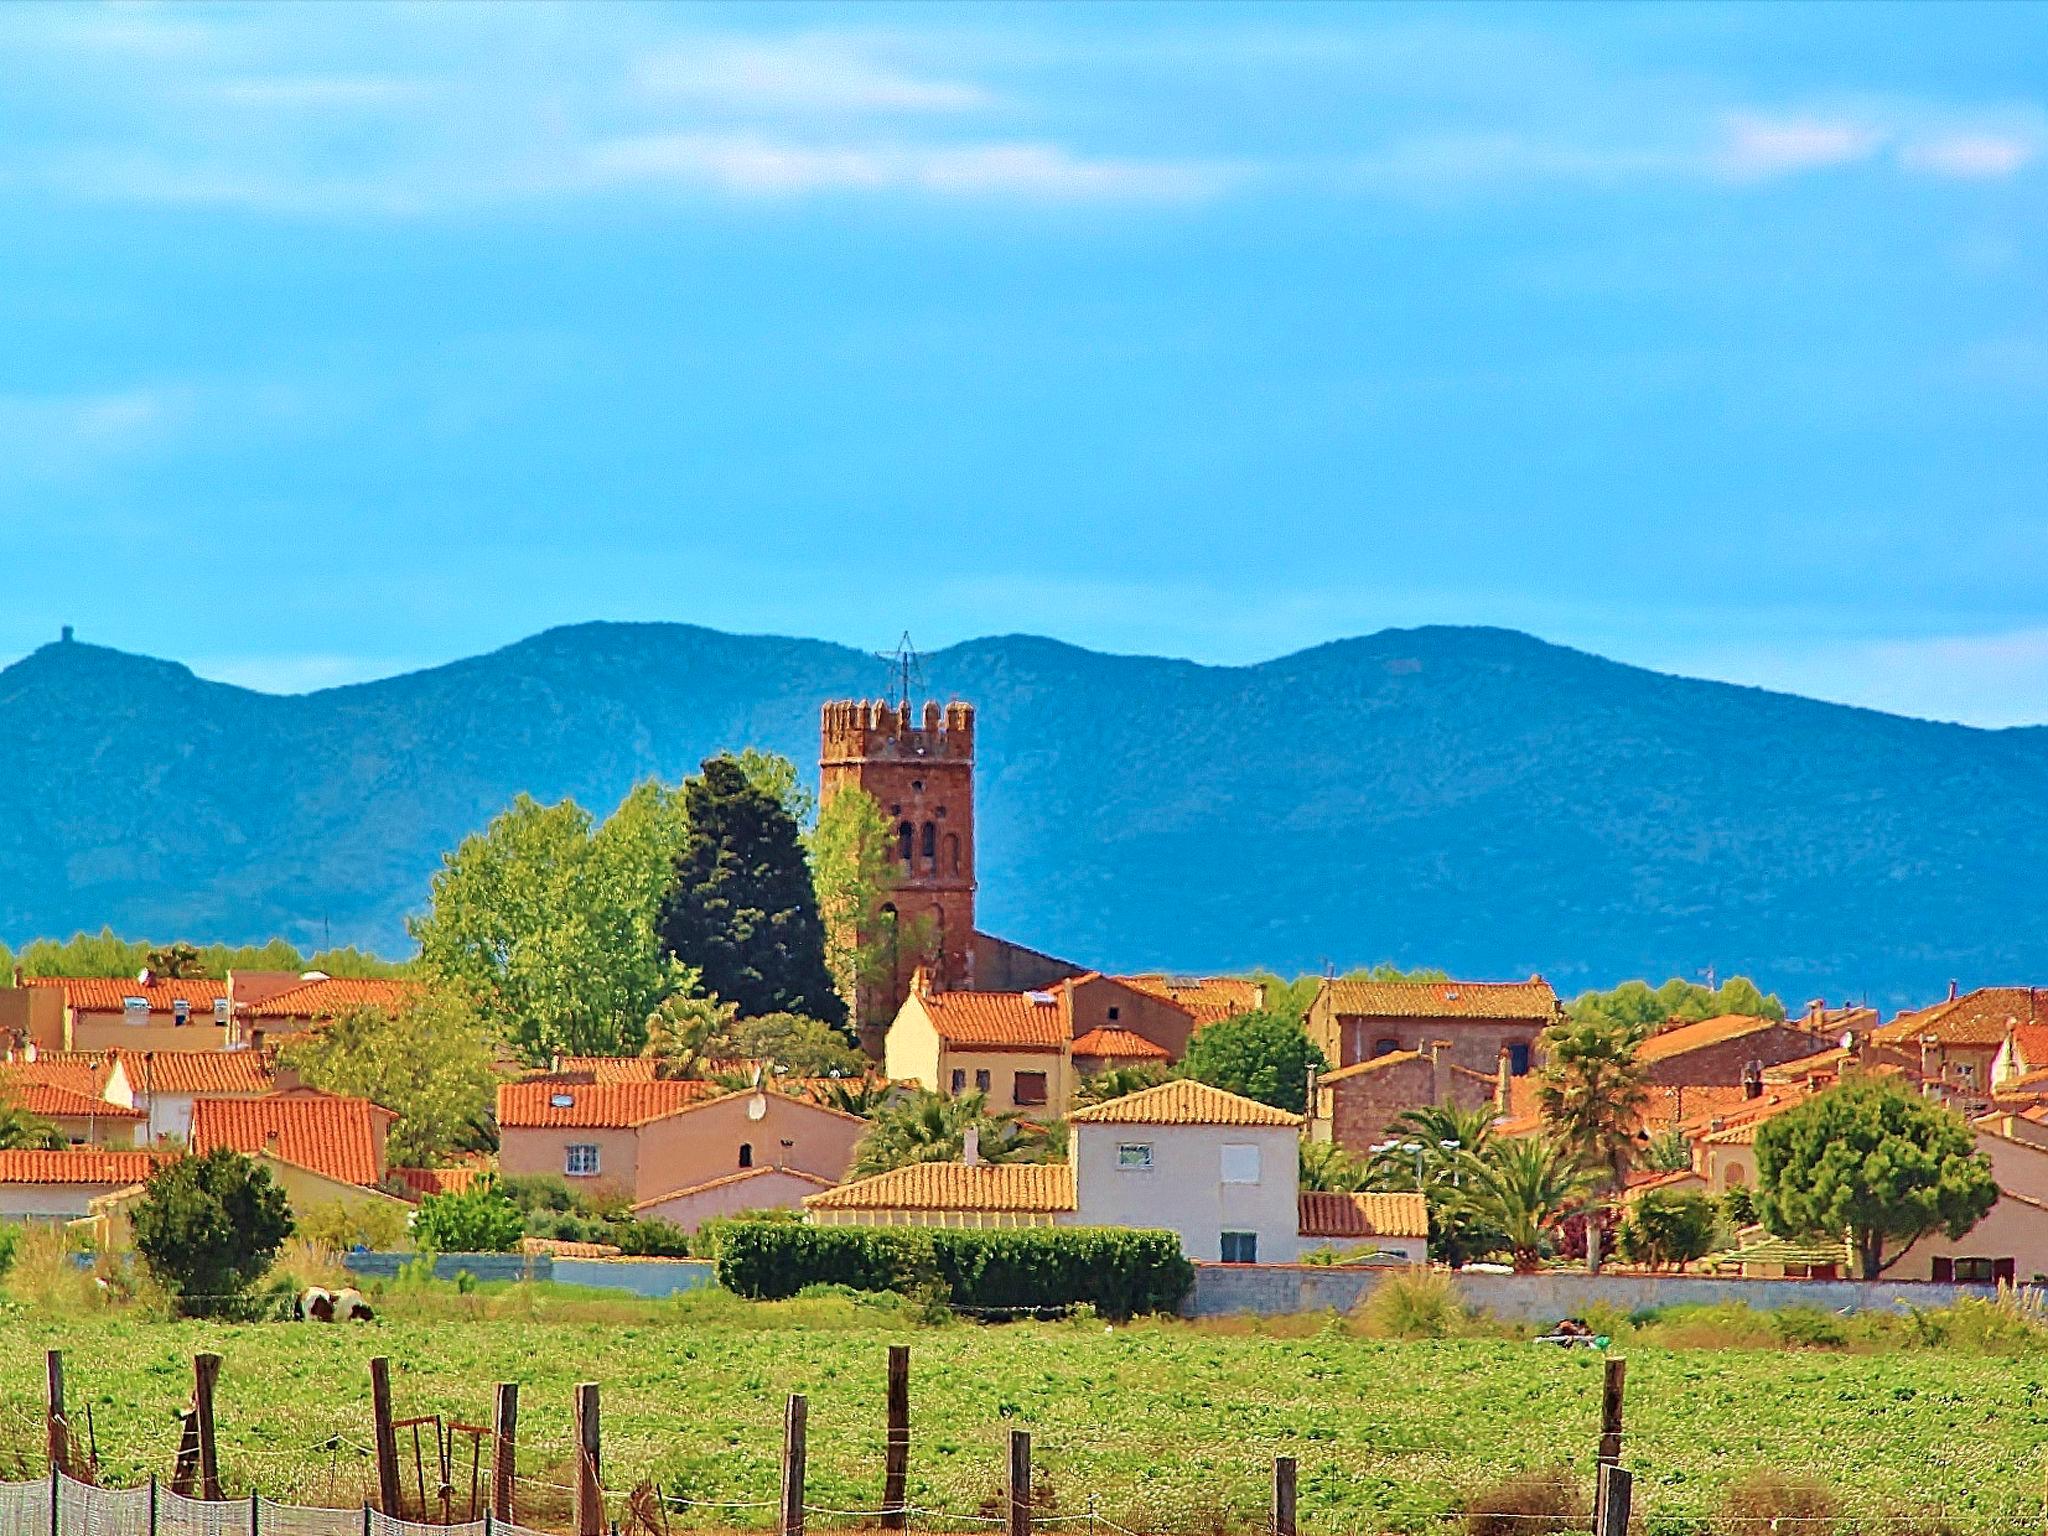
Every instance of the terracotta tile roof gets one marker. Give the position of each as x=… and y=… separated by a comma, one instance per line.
x=1119, y=1044
x=224, y=1072
x=1689, y=1104
x=103, y=994
x=1370, y=1064
x=1700, y=1034
x=1531, y=999
x=1975, y=1018
x=1183, y=1102
x=596, y=1106
x=609, y=1069
x=998, y=1021
x=333, y=995
x=740, y=1177
x=1021, y=1187
x=1327, y=1214
x=438, y=1181
x=51, y=1102
x=564, y=1248
x=77, y=1072
x=331, y=1135
x=80, y=1165
x=1208, y=998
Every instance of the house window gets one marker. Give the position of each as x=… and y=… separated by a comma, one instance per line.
x=981, y=1079
x=1518, y=1057
x=1134, y=1156
x=1030, y=1087
x=1112, y=1015
x=1240, y=1247
x=581, y=1161
x=1240, y=1163
x=1976, y=1271
x=1736, y=1175
x=959, y=1081
x=746, y=1154
x=1386, y=1045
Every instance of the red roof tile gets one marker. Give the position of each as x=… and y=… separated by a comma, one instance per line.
x=51, y=1102
x=335, y=1136
x=221, y=1072
x=1531, y=999
x=74, y=1071
x=1324, y=1213
x=80, y=1165
x=1119, y=1045
x=101, y=994
x=997, y=1021
x=333, y=995
x=1700, y=1034
x=609, y=1069
x=547, y=1104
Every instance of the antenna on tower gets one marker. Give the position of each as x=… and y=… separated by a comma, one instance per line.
x=906, y=670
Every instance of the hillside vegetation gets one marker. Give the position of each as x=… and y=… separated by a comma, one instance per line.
x=1467, y=798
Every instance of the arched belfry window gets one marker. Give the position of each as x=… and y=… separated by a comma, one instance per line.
x=906, y=838
x=931, y=843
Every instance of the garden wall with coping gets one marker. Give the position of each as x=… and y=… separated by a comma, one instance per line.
x=638, y=1276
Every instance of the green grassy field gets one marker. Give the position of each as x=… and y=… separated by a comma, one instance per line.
x=1157, y=1426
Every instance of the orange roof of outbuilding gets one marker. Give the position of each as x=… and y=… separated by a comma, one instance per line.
x=1532, y=999
x=997, y=1021
x=609, y=1069
x=49, y=1102
x=1327, y=1213
x=1019, y=1187
x=1119, y=1045
x=80, y=1165
x=331, y=1135
x=740, y=1176
x=79, y=1072
x=1184, y=1102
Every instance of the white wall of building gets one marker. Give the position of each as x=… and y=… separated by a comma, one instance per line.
x=1203, y=1181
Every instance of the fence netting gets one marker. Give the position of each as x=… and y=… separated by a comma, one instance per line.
x=86, y=1510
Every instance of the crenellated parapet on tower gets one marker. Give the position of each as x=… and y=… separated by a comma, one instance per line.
x=918, y=764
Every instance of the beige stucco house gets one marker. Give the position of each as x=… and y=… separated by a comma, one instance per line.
x=1012, y=1046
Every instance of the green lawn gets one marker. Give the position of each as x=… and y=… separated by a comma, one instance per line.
x=1159, y=1426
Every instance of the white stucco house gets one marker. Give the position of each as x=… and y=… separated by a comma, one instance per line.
x=1220, y=1170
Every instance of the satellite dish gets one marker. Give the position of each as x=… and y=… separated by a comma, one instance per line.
x=757, y=1107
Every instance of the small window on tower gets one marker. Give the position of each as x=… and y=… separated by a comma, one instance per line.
x=906, y=842
x=931, y=842
x=917, y=786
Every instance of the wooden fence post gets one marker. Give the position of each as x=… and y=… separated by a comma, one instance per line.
x=185, y=1469
x=589, y=1448
x=896, y=1449
x=504, y=1449
x=383, y=1438
x=205, y=1373
x=56, y=1429
x=1283, y=1496
x=1612, y=1383
x=1020, y=1482
x=1616, y=1492
x=795, y=1427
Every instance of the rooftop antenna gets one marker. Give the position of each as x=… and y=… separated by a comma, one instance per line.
x=906, y=669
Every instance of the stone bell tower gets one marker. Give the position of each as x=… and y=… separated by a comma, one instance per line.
x=920, y=769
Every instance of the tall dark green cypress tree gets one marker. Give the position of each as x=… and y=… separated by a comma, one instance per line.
x=743, y=910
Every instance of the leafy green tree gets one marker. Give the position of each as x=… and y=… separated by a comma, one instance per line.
x=1441, y=1141
x=173, y=962
x=742, y=911
x=550, y=924
x=209, y=1228
x=479, y=1219
x=1639, y=1005
x=1116, y=1083
x=431, y=1061
x=348, y=961
x=1738, y=1206
x=796, y=1045
x=1593, y=1091
x=1668, y=1227
x=853, y=870
x=22, y=1131
x=1523, y=1187
x=1262, y=1055
x=863, y=1096
x=776, y=776
x=927, y=1127
x=1875, y=1163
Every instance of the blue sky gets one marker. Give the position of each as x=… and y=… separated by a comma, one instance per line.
x=342, y=341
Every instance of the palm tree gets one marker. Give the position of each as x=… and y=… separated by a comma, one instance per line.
x=1115, y=1083
x=1523, y=1187
x=1327, y=1166
x=1667, y=1152
x=1593, y=1092
x=929, y=1127
x=24, y=1132
x=686, y=1031
x=1430, y=1149
x=862, y=1096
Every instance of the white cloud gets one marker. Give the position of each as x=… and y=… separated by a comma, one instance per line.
x=1756, y=148
x=813, y=74
x=1969, y=156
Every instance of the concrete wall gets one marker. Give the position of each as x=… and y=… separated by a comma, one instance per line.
x=1271, y=1290
x=485, y=1266
x=1184, y=1191
x=642, y=1277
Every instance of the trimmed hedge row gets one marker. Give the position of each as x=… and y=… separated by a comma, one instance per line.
x=1117, y=1270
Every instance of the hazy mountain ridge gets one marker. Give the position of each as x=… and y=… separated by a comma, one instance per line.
x=1472, y=798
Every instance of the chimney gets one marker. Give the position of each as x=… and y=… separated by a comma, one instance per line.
x=1503, y=1082
x=1439, y=1072
x=28, y=1052
x=970, y=1146
x=1928, y=1070
x=1315, y=1093
x=921, y=981
x=1951, y=989
x=1753, y=1080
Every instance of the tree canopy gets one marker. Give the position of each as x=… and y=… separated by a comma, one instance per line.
x=1262, y=1055
x=1871, y=1161
x=549, y=923
x=853, y=869
x=106, y=953
x=927, y=1127
x=1668, y=1228
x=209, y=1228
x=1523, y=1187
x=742, y=911
x=431, y=1061
x=1637, y=1004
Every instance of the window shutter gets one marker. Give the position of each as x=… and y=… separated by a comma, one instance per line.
x=1945, y=1269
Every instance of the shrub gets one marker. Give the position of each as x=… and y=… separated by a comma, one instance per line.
x=341, y=1225
x=1118, y=1271
x=479, y=1219
x=1419, y=1305
x=1528, y=1504
x=10, y=1244
x=1804, y=1505
x=1667, y=1228
x=208, y=1228
x=652, y=1239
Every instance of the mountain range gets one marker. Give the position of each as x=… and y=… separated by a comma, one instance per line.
x=1469, y=798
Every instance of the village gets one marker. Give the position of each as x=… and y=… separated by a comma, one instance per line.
x=1058, y=1096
